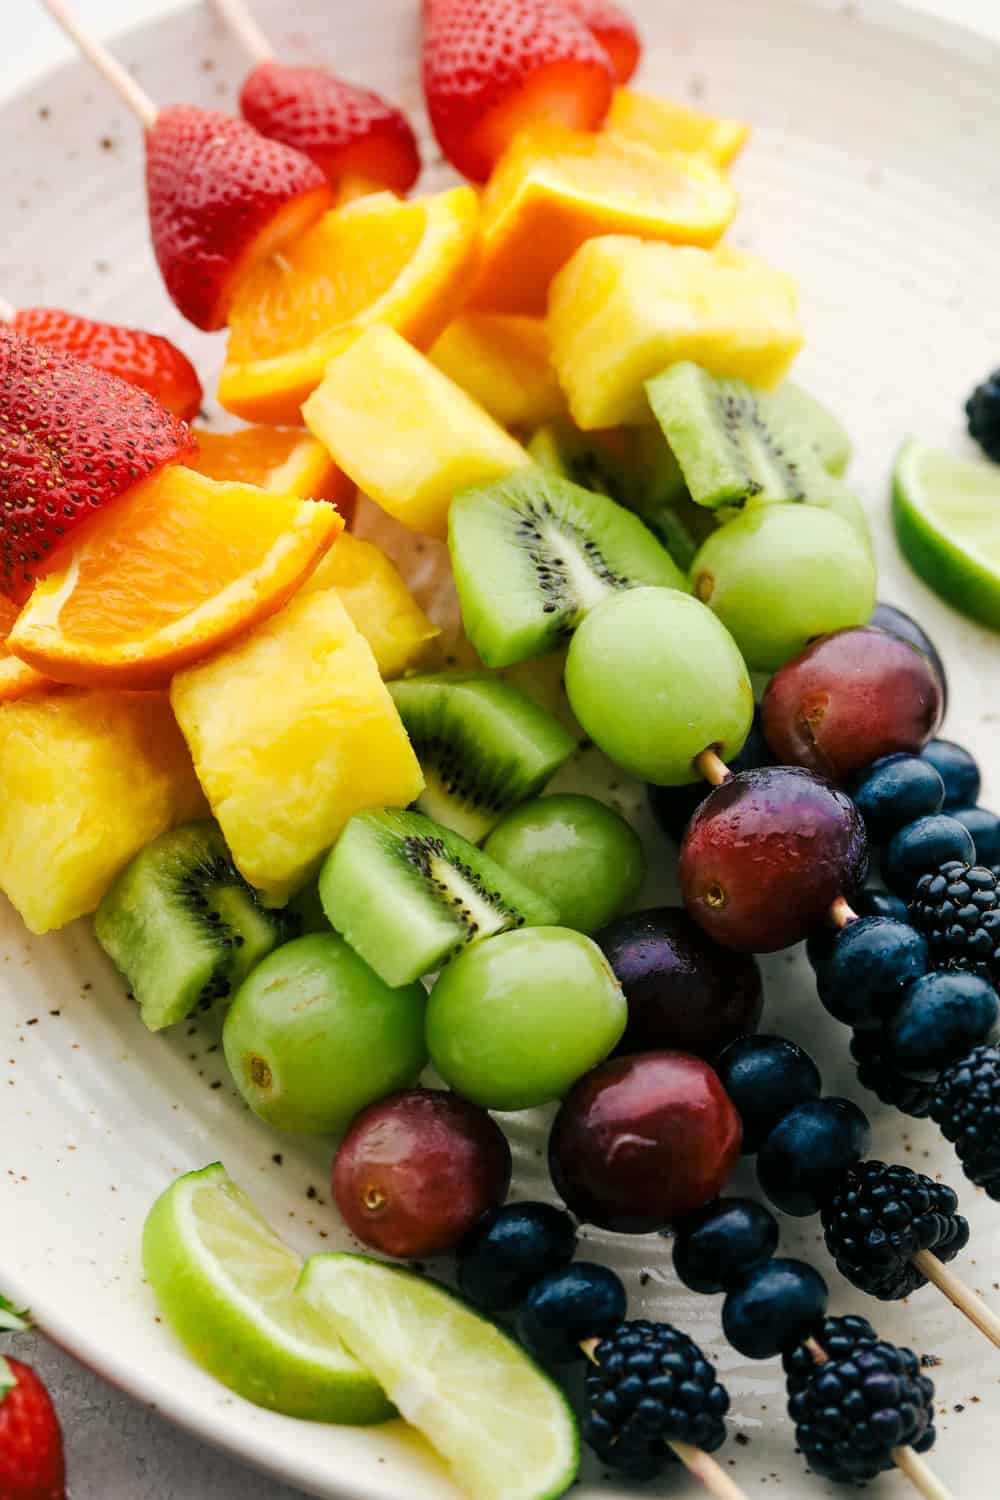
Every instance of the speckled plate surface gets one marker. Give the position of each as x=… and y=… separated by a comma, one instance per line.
x=874, y=176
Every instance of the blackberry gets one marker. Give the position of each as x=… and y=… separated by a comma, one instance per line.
x=837, y=1337
x=875, y=1072
x=881, y=1217
x=958, y=910
x=966, y=1106
x=852, y=1412
x=983, y=412
x=651, y=1385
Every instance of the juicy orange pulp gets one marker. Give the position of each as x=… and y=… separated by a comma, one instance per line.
x=666, y=125
x=285, y=460
x=171, y=572
x=16, y=677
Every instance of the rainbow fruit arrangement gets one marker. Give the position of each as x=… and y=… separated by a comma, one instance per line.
x=338, y=832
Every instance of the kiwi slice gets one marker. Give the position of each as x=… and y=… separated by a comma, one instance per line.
x=184, y=927
x=482, y=745
x=532, y=553
x=802, y=414
x=407, y=894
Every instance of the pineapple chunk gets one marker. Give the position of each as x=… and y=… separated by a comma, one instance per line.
x=89, y=779
x=292, y=732
x=378, y=601
x=667, y=126
x=622, y=310
x=406, y=434
x=506, y=365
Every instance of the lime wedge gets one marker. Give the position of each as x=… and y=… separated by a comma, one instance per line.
x=503, y=1426
x=947, y=516
x=226, y=1285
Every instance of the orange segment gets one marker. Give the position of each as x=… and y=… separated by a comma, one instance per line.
x=554, y=189
x=379, y=260
x=166, y=576
x=285, y=460
x=16, y=677
x=667, y=126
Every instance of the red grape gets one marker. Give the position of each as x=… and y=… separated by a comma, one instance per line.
x=850, y=698
x=417, y=1170
x=642, y=1141
x=766, y=855
x=683, y=990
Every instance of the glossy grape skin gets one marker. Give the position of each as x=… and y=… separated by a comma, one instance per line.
x=870, y=963
x=416, y=1171
x=684, y=992
x=314, y=1035
x=566, y=1307
x=717, y=1247
x=582, y=854
x=509, y=1250
x=958, y=770
x=921, y=848
x=674, y=806
x=765, y=856
x=655, y=679
x=513, y=1022
x=778, y=576
x=985, y=829
x=875, y=903
x=778, y=1306
x=941, y=1018
x=898, y=623
x=766, y=1077
x=807, y=1153
x=849, y=699
x=642, y=1141
x=894, y=791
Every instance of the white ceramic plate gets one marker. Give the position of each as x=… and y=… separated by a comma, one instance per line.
x=874, y=176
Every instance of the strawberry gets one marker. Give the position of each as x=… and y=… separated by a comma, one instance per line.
x=493, y=66
x=32, y=1466
x=221, y=198
x=147, y=360
x=72, y=439
x=614, y=29
x=346, y=131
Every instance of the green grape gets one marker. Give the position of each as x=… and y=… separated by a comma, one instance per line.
x=514, y=1022
x=314, y=1035
x=780, y=575
x=586, y=858
x=655, y=679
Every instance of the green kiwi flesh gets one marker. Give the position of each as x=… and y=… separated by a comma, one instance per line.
x=802, y=414
x=483, y=747
x=407, y=894
x=532, y=553
x=184, y=927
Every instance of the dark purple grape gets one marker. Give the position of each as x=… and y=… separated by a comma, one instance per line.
x=674, y=806
x=897, y=622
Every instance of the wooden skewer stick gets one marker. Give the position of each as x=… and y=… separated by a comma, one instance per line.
x=961, y=1296
x=109, y=67
x=711, y=765
x=923, y=1479
x=239, y=20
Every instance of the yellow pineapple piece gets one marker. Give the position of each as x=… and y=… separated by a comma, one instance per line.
x=666, y=125
x=622, y=310
x=407, y=435
x=293, y=731
x=89, y=778
x=378, y=601
x=505, y=364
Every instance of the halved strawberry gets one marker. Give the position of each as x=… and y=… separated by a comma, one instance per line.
x=32, y=1465
x=614, y=29
x=347, y=131
x=72, y=440
x=221, y=198
x=491, y=67
x=147, y=360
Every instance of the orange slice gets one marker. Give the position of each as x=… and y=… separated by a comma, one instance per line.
x=285, y=460
x=379, y=260
x=166, y=576
x=16, y=677
x=667, y=126
x=556, y=188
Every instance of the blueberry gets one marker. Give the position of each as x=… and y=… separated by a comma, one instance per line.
x=803, y=1159
x=942, y=1017
x=921, y=847
x=512, y=1248
x=894, y=791
x=869, y=964
x=674, y=806
x=957, y=769
x=985, y=829
x=776, y=1309
x=874, y=903
x=765, y=1077
x=717, y=1248
x=565, y=1307
x=902, y=625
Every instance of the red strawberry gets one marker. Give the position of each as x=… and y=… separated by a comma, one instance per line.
x=346, y=131
x=72, y=439
x=32, y=1466
x=493, y=66
x=221, y=198
x=614, y=29
x=147, y=360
